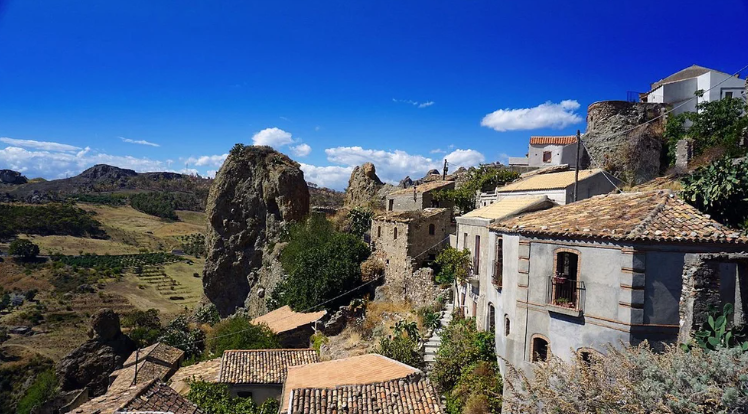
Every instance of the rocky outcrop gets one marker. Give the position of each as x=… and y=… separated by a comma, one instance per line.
x=90, y=364
x=363, y=187
x=255, y=193
x=633, y=156
x=12, y=177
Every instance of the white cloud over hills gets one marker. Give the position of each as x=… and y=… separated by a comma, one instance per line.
x=547, y=115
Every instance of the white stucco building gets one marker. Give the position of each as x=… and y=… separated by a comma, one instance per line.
x=546, y=151
x=683, y=85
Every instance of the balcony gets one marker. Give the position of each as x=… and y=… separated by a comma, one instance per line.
x=497, y=274
x=567, y=295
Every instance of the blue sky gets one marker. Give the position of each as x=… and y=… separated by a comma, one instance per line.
x=172, y=85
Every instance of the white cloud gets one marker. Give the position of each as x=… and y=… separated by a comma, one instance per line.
x=139, y=141
x=207, y=160
x=42, y=145
x=332, y=176
x=414, y=103
x=437, y=151
x=547, y=115
x=301, y=150
x=464, y=158
x=274, y=137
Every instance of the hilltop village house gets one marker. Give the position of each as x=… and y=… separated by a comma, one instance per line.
x=681, y=86
x=549, y=151
x=599, y=272
x=557, y=186
x=406, y=240
x=420, y=197
x=293, y=328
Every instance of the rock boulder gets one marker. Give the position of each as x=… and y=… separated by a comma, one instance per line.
x=90, y=364
x=363, y=187
x=255, y=193
x=12, y=177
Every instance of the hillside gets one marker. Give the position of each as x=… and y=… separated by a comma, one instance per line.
x=105, y=179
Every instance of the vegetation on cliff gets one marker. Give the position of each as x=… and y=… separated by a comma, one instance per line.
x=50, y=219
x=483, y=178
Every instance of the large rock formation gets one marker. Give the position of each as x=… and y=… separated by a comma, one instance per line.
x=633, y=156
x=363, y=187
x=12, y=177
x=90, y=364
x=256, y=191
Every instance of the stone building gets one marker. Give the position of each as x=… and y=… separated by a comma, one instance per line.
x=557, y=186
x=419, y=197
x=599, y=272
x=157, y=361
x=406, y=240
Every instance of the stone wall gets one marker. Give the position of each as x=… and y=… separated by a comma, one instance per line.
x=633, y=156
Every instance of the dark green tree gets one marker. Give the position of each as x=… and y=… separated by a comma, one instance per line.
x=215, y=399
x=720, y=190
x=452, y=264
x=23, y=248
x=483, y=178
x=321, y=263
x=240, y=333
x=359, y=221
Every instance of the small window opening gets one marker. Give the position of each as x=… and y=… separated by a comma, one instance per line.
x=395, y=234
x=432, y=229
x=539, y=349
x=507, y=327
x=546, y=156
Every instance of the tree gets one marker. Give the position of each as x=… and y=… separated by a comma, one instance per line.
x=42, y=390
x=478, y=390
x=403, y=346
x=320, y=263
x=462, y=346
x=453, y=264
x=214, y=398
x=23, y=248
x=240, y=333
x=720, y=190
x=359, y=221
x=483, y=178
x=715, y=123
x=179, y=334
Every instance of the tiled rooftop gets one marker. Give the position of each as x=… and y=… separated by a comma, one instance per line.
x=412, y=396
x=202, y=371
x=654, y=215
x=284, y=319
x=146, y=371
x=157, y=352
x=548, y=181
x=262, y=366
x=358, y=370
x=692, y=71
x=557, y=140
x=425, y=187
x=410, y=216
x=148, y=396
x=510, y=206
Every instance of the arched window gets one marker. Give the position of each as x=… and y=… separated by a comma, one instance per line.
x=379, y=231
x=565, y=289
x=395, y=238
x=540, y=348
x=432, y=229
x=507, y=328
x=491, y=318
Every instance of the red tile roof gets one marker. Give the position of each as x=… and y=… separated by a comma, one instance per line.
x=562, y=140
x=653, y=215
x=152, y=396
x=262, y=366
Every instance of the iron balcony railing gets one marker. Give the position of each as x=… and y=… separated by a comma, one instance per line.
x=566, y=293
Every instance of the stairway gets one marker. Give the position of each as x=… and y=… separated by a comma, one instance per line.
x=432, y=345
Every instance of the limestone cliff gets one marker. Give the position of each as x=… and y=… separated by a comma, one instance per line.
x=255, y=193
x=363, y=187
x=633, y=155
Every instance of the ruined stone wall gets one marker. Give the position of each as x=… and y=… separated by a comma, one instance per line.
x=392, y=251
x=423, y=246
x=634, y=156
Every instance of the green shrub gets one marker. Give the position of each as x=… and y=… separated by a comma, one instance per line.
x=214, y=398
x=208, y=314
x=483, y=178
x=48, y=219
x=179, y=334
x=478, y=390
x=23, y=248
x=403, y=346
x=720, y=190
x=155, y=204
x=462, y=346
x=359, y=221
x=319, y=339
x=453, y=264
x=321, y=263
x=239, y=333
x=43, y=389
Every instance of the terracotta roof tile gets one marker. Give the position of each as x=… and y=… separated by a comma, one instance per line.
x=410, y=215
x=360, y=370
x=149, y=396
x=262, y=366
x=402, y=396
x=509, y=206
x=425, y=187
x=166, y=354
x=653, y=215
x=562, y=140
x=549, y=181
x=202, y=371
x=147, y=371
x=285, y=319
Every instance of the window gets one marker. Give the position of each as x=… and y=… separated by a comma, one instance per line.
x=379, y=231
x=507, y=328
x=395, y=237
x=434, y=204
x=564, y=284
x=475, y=309
x=432, y=229
x=498, y=264
x=476, y=256
x=728, y=94
x=539, y=350
x=546, y=156
x=491, y=318
x=390, y=205
x=464, y=241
